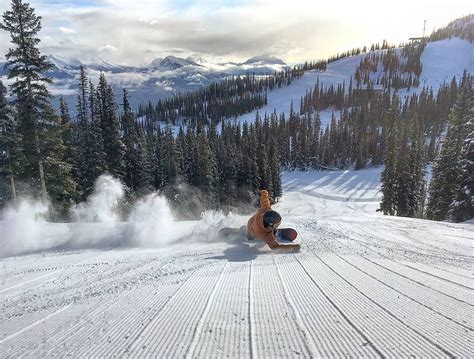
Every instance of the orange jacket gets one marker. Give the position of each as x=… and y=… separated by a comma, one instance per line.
x=255, y=226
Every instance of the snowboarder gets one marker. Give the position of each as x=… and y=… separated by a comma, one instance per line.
x=264, y=224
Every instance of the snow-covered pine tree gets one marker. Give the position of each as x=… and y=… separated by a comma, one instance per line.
x=462, y=207
x=26, y=66
x=447, y=169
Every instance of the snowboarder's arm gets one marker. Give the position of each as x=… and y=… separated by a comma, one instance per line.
x=265, y=199
x=274, y=244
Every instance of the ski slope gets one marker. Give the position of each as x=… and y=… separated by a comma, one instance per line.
x=363, y=285
x=442, y=60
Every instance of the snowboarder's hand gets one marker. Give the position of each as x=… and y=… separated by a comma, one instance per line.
x=263, y=185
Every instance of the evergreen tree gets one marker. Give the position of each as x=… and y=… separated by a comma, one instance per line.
x=58, y=171
x=190, y=157
x=11, y=154
x=388, y=179
x=70, y=152
x=93, y=153
x=145, y=172
x=275, y=170
x=410, y=170
x=227, y=157
x=447, y=170
x=113, y=146
x=26, y=65
x=169, y=159
x=132, y=144
x=462, y=207
x=206, y=166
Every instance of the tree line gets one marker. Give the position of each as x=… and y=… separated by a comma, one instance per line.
x=225, y=99
x=210, y=162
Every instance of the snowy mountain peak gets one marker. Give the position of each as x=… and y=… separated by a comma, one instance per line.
x=264, y=60
x=62, y=62
x=172, y=62
x=197, y=60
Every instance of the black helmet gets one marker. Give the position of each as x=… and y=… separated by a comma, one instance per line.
x=271, y=219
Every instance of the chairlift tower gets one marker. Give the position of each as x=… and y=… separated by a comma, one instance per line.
x=420, y=38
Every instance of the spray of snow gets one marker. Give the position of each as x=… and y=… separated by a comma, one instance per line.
x=103, y=205
x=97, y=223
x=207, y=229
x=151, y=223
x=23, y=228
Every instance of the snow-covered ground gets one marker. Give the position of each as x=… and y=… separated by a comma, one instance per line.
x=363, y=285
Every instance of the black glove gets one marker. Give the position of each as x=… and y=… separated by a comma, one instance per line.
x=263, y=185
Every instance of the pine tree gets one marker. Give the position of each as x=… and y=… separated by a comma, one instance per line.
x=145, y=172
x=58, y=171
x=206, y=166
x=168, y=158
x=11, y=154
x=388, y=179
x=410, y=169
x=132, y=156
x=190, y=157
x=70, y=152
x=462, y=206
x=93, y=154
x=113, y=146
x=227, y=157
x=447, y=170
x=26, y=65
x=247, y=168
x=275, y=170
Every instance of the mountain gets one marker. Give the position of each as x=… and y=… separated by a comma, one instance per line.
x=172, y=63
x=264, y=60
x=162, y=78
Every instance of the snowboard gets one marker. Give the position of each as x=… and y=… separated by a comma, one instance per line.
x=286, y=235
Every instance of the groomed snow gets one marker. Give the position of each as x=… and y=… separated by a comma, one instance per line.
x=363, y=285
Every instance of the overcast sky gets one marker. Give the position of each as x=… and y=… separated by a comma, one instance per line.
x=137, y=31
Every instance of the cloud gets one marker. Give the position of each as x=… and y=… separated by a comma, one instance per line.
x=108, y=48
x=66, y=30
x=229, y=30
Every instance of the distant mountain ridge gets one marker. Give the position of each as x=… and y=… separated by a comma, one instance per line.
x=161, y=78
